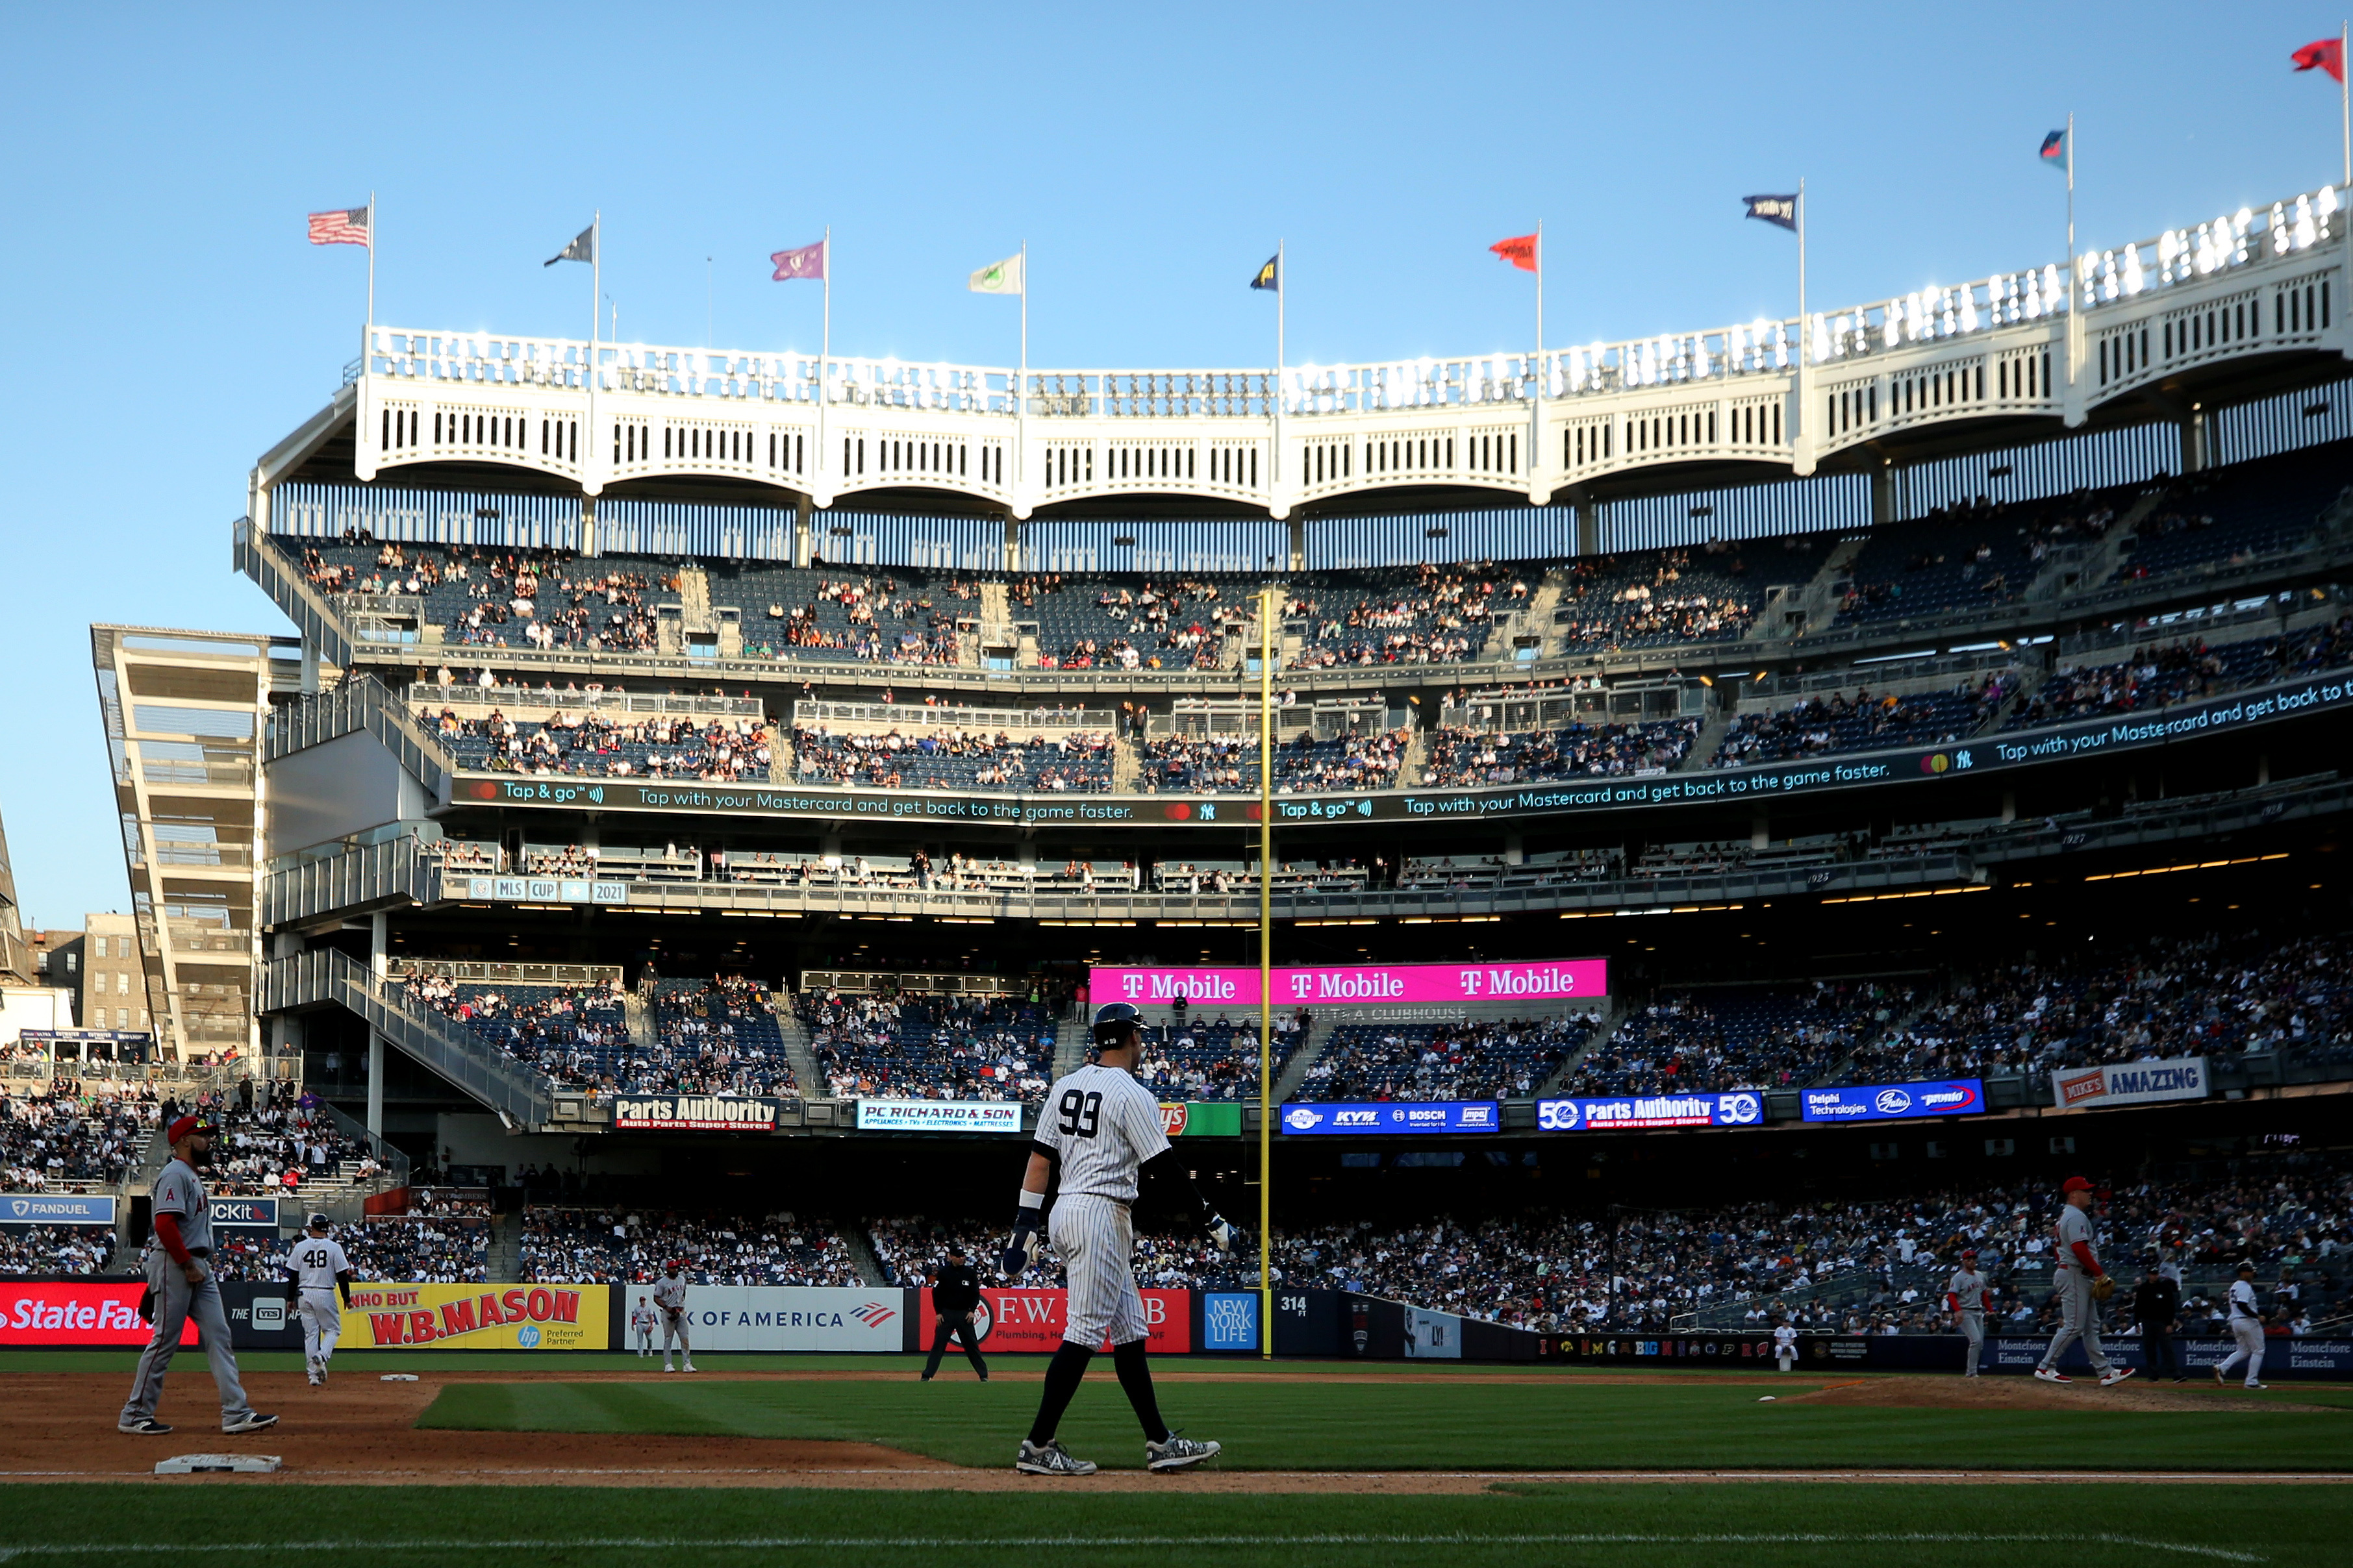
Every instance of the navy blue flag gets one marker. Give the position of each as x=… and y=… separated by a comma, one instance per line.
x=2054, y=150
x=1782, y=210
x=1267, y=277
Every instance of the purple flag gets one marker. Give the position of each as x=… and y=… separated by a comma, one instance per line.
x=808, y=261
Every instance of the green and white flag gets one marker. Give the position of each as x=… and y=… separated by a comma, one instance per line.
x=998, y=277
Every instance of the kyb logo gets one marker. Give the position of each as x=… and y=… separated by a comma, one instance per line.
x=1355, y=1119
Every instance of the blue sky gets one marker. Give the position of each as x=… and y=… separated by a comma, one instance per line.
x=172, y=324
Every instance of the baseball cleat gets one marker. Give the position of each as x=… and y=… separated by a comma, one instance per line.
x=2052, y=1374
x=2259, y=1386
x=1177, y=1453
x=147, y=1427
x=690, y=1366
x=2114, y=1375
x=1049, y=1459
x=251, y=1421
x=667, y=1367
x=316, y=1380
x=2219, y=1379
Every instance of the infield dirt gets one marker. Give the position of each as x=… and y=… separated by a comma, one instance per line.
x=363, y=1430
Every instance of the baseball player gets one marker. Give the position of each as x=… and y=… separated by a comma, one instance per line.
x=2075, y=1280
x=1964, y=1298
x=180, y=1279
x=955, y=1291
x=641, y=1320
x=2246, y=1327
x=1101, y=1129
x=316, y=1269
x=670, y=1296
x=1785, y=1345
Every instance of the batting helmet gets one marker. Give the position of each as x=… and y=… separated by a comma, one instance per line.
x=1114, y=1019
x=316, y=1222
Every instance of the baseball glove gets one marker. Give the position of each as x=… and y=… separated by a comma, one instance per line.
x=2104, y=1287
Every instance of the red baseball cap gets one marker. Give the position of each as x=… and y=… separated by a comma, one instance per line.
x=2075, y=1184
x=182, y=1126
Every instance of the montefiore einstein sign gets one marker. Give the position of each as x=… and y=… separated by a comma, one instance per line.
x=1543, y=979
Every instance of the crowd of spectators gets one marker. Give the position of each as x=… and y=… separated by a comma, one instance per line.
x=577, y=1036
x=2151, y=678
x=62, y=1135
x=567, y=1245
x=384, y=1249
x=1737, y=1037
x=591, y=745
x=1150, y=625
x=1816, y=725
x=1428, y=614
x=882, y=621
x=1215, y=763
x=56, y=1250
x=1477, y=1059
x=914, y=1046
x=2215, y=994
x=276, y=1146
x=1462, y=758
x=715, y=1037
x=1075, y=760
x=541, y=598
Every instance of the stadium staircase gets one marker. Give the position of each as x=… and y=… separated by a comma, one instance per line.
x=1814, y=606
x=326, y=977
x=1617, y=1009
x=1069, y=1044
x=637, y=1008
x=1722, y=711
x=861, y=1256
x=797, y=1049
x=505, y=1259
x=2075, y=571
x=1303, y=1057
x=1415, y=759
x=1127, y=764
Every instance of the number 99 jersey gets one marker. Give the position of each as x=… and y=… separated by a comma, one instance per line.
x=1101, y=1125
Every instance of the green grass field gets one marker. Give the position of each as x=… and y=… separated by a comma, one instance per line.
x=1442, y=1423
x=1660, y=1524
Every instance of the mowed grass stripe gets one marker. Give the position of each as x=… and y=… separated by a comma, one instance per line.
x=1891, y=1526
x=1432, y=1426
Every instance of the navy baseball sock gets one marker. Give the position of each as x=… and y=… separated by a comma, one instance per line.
x=1062, y=1375
x=1135, y=1379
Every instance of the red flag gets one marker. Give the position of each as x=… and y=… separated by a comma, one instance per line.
x=2326, y=54
x=1521, y=252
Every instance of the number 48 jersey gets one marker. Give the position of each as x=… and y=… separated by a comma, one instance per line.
x=1101, y=1125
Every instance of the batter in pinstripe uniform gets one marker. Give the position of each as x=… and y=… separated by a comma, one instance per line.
x=1101, y=1129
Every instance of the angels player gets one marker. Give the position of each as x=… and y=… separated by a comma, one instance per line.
x=1100, y=1128
x=1965, y=1297
x=642, y=1323
x=2075, y=1274
x=670, y=1296
x=316, y=1269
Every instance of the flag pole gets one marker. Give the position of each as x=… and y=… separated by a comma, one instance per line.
x=1281, y=298
x=1266, y=609
x=1536, y=434
x=1021, y=387
x=2344, y=96
x=824, y=355
x=1803, y=423
x=371, y=302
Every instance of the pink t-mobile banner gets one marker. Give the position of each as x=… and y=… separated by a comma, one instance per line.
x=1543, y=979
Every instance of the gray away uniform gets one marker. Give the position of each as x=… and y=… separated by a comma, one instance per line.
x=2079, y=1316
x=1968, y=1289
x=178, y=1193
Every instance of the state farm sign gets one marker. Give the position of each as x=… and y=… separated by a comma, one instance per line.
x=72, y=1313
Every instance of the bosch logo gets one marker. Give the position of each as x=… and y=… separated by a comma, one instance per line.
x=1300, y=1119
x=1893, y=1102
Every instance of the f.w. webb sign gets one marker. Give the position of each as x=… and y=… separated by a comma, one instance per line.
x=1544, y=980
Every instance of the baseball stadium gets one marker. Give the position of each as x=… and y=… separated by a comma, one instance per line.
x=776, y=951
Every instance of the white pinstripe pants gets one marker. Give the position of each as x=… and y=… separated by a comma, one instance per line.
x=1096, y=1239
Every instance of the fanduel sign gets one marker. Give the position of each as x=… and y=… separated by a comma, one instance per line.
x=1549, y=979
x=2131, y=1083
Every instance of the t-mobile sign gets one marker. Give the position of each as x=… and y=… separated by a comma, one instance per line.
x=1543, y=980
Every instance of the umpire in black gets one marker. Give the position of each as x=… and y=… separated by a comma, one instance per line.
x=955, y=1291
x=2156, y=1305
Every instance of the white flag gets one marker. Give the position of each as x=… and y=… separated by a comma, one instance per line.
x=998, y=277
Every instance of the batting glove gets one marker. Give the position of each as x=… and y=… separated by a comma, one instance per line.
x=1023, y=1249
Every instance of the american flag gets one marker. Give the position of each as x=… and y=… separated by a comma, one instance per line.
x=344, y=226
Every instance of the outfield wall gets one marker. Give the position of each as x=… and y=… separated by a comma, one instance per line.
x=100, y=1314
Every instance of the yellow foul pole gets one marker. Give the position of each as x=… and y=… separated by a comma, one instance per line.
x=1266, y=608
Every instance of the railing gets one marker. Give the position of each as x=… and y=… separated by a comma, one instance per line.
x=510, y=973
x=360, y=703
x=327, y=977
x=2101, y=279
x=601, y=700
x=915, y=715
